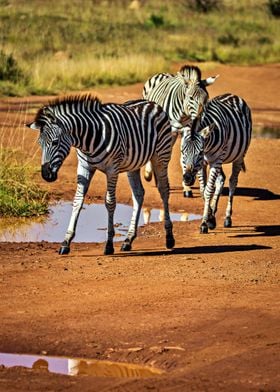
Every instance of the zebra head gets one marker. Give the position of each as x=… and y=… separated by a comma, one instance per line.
x=192, y=152
x=196, y=93
x=54, y=141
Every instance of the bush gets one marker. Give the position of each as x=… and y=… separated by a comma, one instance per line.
x=229, y=39
x=9, y=69
x=274, y=7
x=155, y=21
x=204, y=5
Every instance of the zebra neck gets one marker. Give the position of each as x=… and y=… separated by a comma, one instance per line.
x=90, y=136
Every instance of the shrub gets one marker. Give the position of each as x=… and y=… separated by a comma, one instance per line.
x=228, y=39
x=155, y=21
x=204, y=5
x=274, y=7
x=9, y=69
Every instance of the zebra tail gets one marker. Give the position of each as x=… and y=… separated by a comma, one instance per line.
x=243, y=167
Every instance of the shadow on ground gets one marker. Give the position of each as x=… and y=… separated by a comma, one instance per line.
x=192, y=250
x=256, y=193
x=262, y=231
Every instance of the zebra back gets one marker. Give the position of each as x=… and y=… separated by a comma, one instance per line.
x=125, y=135
x=231, y=117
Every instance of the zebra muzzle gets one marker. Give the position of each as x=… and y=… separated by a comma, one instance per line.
x=188, y=179
x=47, y=173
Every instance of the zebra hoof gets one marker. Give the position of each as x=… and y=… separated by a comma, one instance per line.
x=109, y=249
x=148, y=176
x=188, y=194
x=203, y=228
x=228, y=222
x=211, y=223
x=170, y=242
x=64, y=250
x=126, y=247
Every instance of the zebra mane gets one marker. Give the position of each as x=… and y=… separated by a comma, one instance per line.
x=88, y=101
x=190, y=73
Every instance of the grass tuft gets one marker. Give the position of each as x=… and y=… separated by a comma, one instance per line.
x=19, y=194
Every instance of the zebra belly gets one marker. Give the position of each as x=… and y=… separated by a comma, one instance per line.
x=121, y=163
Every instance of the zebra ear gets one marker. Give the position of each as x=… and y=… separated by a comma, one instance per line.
x=49, y=113
x=33, y=125
x=205, y=132
x=209, y=81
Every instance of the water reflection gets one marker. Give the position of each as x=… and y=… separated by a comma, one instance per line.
x=78, y=366
x=92, y=224
x=153, y=215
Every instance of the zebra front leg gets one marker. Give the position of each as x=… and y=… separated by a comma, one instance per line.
x=110, y=203
x=208, y=193
x=202, y=178
x=83, y=181
x=137, y=189
x=236, y=167
x=219, y=185
x=161, y=175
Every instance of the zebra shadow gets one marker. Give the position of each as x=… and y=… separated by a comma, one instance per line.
x=196, y=250
x=255, y=193
x=261, y=231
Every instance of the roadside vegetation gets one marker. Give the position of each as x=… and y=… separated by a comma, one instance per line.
x=20, y=194
x=57, y=46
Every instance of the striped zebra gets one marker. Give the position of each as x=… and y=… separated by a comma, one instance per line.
x=182, y=96
x=111, y=138
x=221, y=135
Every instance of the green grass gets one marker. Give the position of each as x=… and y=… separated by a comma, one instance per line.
x=58, y=46
x=19, y=194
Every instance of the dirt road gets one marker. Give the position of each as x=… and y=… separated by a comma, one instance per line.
x=206, y=313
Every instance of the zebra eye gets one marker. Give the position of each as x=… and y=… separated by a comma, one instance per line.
x=55, y=142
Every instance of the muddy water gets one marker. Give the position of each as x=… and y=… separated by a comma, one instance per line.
x=78, y=366
x=92, y=223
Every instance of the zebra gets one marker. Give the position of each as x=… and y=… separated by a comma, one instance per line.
x=112, y=138
x=182, y=96
x=222, y=134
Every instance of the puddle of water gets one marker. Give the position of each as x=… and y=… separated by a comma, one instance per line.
x=79, y=366
x=91, y=227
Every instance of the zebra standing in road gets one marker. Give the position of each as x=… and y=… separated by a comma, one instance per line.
x=221, y=135
x=182, y=96
x=111, y=138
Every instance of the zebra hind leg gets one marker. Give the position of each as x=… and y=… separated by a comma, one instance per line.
x=236, y=168
x=137, y=190
x=110, y=204
x=148, y=173
x=160, y=171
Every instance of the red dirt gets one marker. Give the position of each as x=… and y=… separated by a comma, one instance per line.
x=207, y=313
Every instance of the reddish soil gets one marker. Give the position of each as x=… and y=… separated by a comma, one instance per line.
x=207, y=313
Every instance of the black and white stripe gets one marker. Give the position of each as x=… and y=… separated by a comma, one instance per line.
x=182, y=97
x=221, y=135
x=111, y=138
